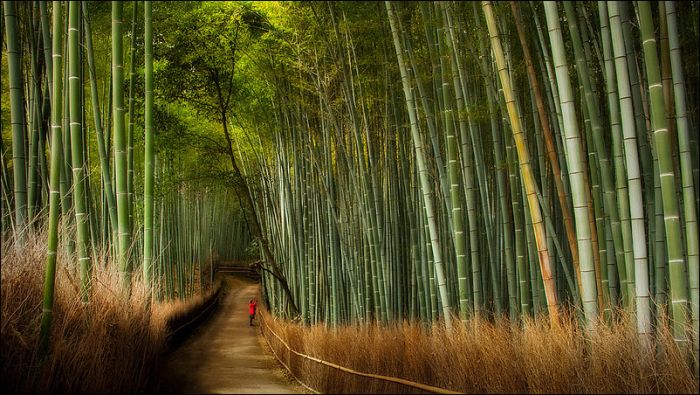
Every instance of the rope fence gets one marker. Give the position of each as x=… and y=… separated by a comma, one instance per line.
x=204, y=309
x=420, y=386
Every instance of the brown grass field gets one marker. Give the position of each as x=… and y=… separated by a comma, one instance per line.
x=484, y=357
x=109, y=345
x=112, y=345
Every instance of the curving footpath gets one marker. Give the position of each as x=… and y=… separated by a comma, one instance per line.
x=225, y=354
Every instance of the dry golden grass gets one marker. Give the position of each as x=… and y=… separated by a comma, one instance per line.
x=109, y=345
x=484, y=357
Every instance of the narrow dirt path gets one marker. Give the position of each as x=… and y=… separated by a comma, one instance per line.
x=225, y=354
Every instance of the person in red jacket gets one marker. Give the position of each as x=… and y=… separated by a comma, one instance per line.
x=252, y=305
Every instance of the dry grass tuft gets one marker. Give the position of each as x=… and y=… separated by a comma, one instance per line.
x=108, y=345
x=485, y=357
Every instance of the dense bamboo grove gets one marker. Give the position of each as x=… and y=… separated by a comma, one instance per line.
x=67, y=109
x=433, y=162
x=470, y=161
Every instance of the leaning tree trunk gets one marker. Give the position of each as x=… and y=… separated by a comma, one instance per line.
x=253, y=221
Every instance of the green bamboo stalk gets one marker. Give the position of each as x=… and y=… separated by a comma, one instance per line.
x=453, y=166
x=575, y=163
x=678, y=280
x=54, y=192
x=639, y=100
x=34, y=124
x=505, y=210
x=67, y=176
x=120, y=157
x=46, y=40
x=630, y=151
x=422, y=168
x=592, y=106
x=102, y=150
x=79, y=180
x=130, y=130
x=148, y=213
x=551, y=149
x=623, y=255
x=17, y=119
x=525, y=167
x=553, y=102
x=686, y=168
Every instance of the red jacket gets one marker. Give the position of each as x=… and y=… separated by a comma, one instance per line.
x=252, y=307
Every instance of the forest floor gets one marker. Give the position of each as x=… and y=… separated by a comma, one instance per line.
x=225, y=354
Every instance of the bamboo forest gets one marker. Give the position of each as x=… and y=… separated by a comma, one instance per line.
x=395, y=197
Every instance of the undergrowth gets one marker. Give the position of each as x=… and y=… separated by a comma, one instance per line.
x=112, y=344
x=484, y=357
